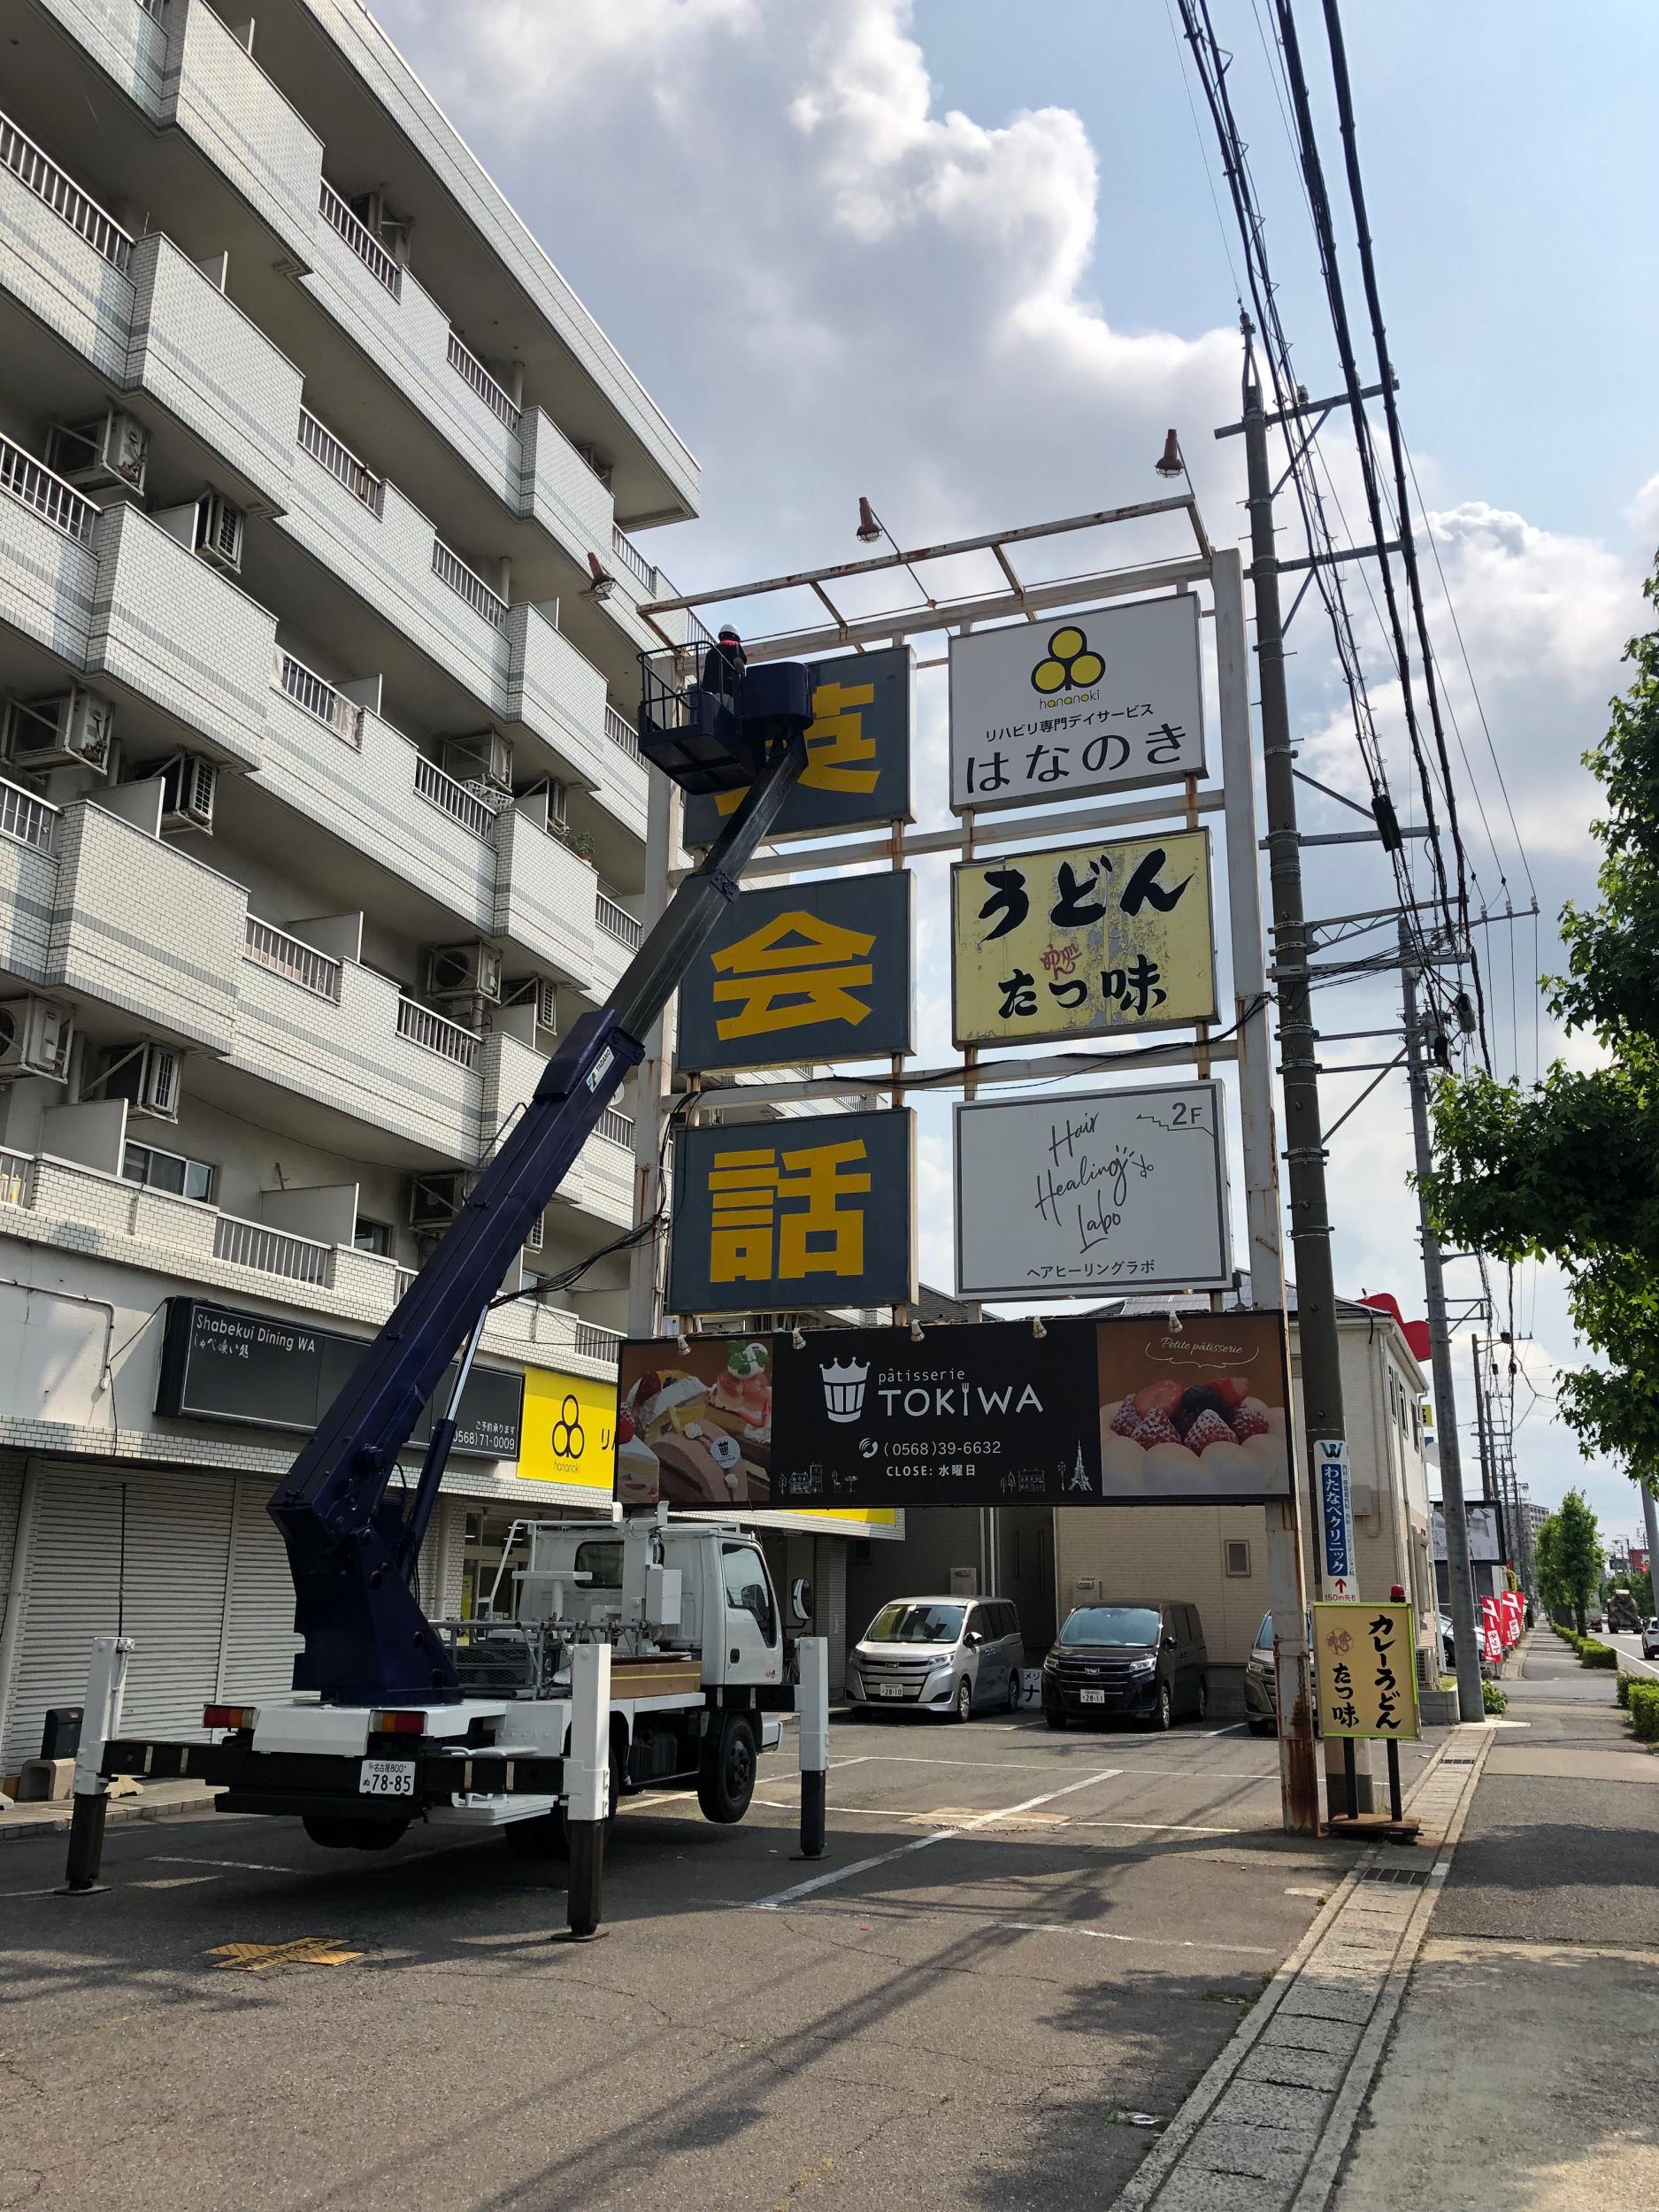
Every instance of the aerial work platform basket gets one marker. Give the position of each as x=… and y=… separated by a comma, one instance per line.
x=709, y=722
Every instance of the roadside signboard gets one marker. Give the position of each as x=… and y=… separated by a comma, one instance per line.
x=858, y=754
x=1364, y=1670
x=1485, y=1522
x=1092, y=1190
x=810, y=1212
x=1083, y=941
x=802, y=971
x=1109, y=700
x=1336, y=1513
x=568, y=1431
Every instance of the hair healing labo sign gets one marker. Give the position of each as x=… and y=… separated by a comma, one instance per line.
x=1105, y=700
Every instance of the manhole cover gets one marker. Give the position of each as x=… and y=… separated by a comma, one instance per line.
x=253, y=1958
x=1399, y=1877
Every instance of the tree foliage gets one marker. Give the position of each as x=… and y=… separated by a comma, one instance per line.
x=1568, y=1167
x=1567, y=1558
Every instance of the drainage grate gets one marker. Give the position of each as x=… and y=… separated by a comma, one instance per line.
x=1461, y=1760
x=1399, y=1877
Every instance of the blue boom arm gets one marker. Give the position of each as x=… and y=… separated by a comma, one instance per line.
x=351, y=1541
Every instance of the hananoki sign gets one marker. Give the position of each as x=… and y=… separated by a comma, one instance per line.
x=806, y=972
x=1121, y=1412
x=858, y=753
x=813, y=1212
x=1105, y=700
x=1083, y=941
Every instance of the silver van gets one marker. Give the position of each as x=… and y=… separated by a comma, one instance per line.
x=953, y=1656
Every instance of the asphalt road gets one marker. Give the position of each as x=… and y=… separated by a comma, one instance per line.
x=1019, y=1942
x=1629, y=1649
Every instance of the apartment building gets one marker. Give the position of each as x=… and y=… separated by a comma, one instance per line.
x=322, y=812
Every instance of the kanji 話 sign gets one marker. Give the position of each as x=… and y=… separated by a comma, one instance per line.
x=812, y=1212
x=1083, y=939
x=805, y=971
x=1106, y=700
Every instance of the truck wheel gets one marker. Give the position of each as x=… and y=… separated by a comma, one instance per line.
x=335, y=1832
x=725, y=1782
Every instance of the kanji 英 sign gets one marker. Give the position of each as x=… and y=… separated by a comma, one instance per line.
x=1106, y=700
x=858, y=753
x=1364, y=1670
x=1084, y=939
x=794, y=1213
x=805, y=971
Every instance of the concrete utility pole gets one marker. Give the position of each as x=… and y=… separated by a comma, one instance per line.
x=1304, y=1152
x=1459, y=1584
x=1481, y=1425
x=1650, y=1521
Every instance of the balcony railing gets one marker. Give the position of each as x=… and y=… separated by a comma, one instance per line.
x=621, y=732
x=17, y=1178
x=35, y=485
x=631, y=556
x=320, y=700
x=457, y=801
x=436, y=1032
x=27, y=819
x=154, y=7
x=273, y=1251
x=361, y=239
x=467, y=366
x=290, y=956
x=47, y=181
x=450, y=569
x=595, y=1340
x=616, y=921
x=341, y=462
x=617, y=1126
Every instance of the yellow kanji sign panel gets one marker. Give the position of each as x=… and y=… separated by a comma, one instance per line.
x=1364, y=1670
x=1083, y=941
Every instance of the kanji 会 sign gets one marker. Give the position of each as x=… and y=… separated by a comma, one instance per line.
x=794, y=1213
x=1106, y=700
x=1364, y=1670
x=858, y=753
x=1084, y=939
x=806, y=972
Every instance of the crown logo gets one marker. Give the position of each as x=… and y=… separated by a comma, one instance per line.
x=844, y=1388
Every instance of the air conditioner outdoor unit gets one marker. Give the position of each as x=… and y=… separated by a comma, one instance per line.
x=487, y=757
x=70, y=726
x=369, y=207
x=219, y=532
x=112, y=449
x=534, y=990
x=147, y=1076
x=35, y=1039
x=457, y=972
x=187, y=785
x=436, y=1199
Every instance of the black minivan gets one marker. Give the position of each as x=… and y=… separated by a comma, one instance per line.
x=1144, y=1662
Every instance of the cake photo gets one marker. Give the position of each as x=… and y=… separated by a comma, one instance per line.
x=696, y=1432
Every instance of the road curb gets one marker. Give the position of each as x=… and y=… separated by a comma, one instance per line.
x=1246, y=2160
x=29, y=1831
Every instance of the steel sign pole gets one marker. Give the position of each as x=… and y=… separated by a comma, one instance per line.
x=1304, y=1152
x=1299, y=1787
x=1459, y=1582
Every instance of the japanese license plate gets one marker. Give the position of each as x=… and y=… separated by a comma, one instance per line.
x=1093, y=1697
x=386, y=1778
x=889, y=1689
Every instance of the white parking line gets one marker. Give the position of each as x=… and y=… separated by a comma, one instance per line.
x=922, y=1843
x=245, y=1866
x=1105, y=1935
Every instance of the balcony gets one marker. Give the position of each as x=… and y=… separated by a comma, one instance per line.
x=437, y=1033
x=49, y=262
x=142, y=927
x=225, y=104
x=467, y=584
x=25, y=819
x=56, y=189
x=301, y=964
x=644, y=571
x=180, y=636
x=617, y=938
x=342, y=717
x=472, y=371
x=33, y=485
x=341, y=462
x=29, y=882
x=439, y=788
x=554, y=694
x=544, y=898
x=359, y=239
x=270, y=1251
x=622, y=732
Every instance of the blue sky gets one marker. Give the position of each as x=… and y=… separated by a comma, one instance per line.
x=963, y=256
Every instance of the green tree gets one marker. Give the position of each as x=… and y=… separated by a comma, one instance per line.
x=1552, y=1590
x=1568, y=1167
x=1577, y=1554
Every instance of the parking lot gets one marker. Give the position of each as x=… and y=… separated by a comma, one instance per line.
x=1021, y=1947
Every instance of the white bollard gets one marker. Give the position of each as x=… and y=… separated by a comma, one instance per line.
x=588, y=1786
x=813, y=1707
x=100, y=1720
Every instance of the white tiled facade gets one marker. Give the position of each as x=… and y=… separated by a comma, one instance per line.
x=263, y=245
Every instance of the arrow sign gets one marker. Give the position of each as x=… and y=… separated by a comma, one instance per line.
x=1336, y=1513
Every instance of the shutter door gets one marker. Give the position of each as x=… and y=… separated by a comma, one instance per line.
x=177, y=1552
x=10, y=1506
x=259, y=1639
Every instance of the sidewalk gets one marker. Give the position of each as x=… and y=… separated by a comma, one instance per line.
x=157, y=1800
x=1469, y=2022
x=1523, y=2069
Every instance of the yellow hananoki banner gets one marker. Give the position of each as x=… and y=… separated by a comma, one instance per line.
x=1083, y=941
x=570, y=1425
x=1364, y=1670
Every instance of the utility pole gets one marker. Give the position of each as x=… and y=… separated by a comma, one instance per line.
x=1459, y=1584
x=1304, y=1151
x=1650, y=1521
x=1480, y=1423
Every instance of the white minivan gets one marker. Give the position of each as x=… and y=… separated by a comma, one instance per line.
x=952, y=1657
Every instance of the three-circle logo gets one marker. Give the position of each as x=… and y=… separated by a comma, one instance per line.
x=1068, y=666
x=569, y=1439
